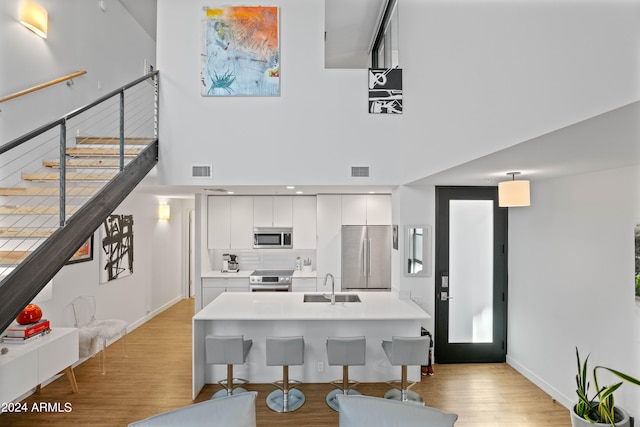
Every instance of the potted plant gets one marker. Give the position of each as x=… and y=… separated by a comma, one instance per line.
x=600, y=410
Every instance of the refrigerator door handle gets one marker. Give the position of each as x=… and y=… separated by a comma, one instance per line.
x=364, y=258
x=369, y=257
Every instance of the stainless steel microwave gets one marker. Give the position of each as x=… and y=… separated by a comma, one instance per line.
x=273, y=237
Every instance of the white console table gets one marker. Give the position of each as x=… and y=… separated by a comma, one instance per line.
x=26, y=366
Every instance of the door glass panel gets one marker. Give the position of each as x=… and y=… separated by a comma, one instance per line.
x=471, y=271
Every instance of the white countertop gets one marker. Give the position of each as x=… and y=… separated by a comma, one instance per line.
x=289, y=306
x=244, y=274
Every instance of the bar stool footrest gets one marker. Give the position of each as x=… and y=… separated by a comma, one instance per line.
x=224, y=392
x=291, y=384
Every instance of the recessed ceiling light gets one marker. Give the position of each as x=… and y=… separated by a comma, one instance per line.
x=298, y=192
x=290, y=187
x=230, y=192
x=372, y=192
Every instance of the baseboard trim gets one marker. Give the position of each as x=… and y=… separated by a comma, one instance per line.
x=543, y=385
x=153, y=314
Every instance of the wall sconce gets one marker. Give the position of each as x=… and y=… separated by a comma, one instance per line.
x=34, y=17
x=164, y=212
x=513, y=193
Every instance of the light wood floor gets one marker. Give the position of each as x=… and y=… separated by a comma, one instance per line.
x=156, y=377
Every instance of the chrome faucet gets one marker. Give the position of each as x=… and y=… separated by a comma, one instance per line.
x=333, y=287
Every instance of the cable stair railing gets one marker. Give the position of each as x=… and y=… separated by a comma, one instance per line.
x=61, y=181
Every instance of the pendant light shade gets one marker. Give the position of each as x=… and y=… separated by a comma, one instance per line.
x=34, y=17
x=514, y=193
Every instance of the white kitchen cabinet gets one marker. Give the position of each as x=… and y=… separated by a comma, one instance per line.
x=230, y=222
x=328, y=251
x=304, y=222
x=366, y=209
x=273, y=211
x=241, y=222
x=303, y=284
x=212, y=287
x=218, y=222
x=25, y=366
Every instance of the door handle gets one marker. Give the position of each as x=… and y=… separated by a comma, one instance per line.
x=444, y=296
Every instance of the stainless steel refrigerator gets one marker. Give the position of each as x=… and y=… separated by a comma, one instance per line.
x=366, y=257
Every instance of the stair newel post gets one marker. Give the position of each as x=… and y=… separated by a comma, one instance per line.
x=63, y=171
x=121, y=130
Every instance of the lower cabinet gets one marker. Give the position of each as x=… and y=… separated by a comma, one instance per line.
x=211, y=288
x=306, y=284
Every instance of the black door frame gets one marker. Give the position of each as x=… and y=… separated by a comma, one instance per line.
x=468, y=352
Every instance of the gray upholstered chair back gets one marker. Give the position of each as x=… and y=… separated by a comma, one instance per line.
x=367, y=411
x=346, y=351
x=285, y=351
x=409, y=350
x=230, y=350
x=238, y=410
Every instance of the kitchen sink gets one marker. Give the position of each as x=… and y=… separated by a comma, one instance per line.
x=327, y=298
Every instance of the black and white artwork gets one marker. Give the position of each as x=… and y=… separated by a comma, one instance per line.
x=116, y=247
x=385, y=90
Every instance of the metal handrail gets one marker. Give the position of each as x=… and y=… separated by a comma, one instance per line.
x=42, y=86
x=42, y=129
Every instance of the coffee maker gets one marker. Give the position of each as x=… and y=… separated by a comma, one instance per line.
x=230, y=263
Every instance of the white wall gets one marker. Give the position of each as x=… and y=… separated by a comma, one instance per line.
x=480, y=76
x=571, y=270
x=318, y=128
x=157, y=279
x=109, y=45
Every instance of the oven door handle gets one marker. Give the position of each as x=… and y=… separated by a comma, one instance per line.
x=269, y=287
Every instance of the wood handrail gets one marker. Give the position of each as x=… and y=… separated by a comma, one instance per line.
x=42, y=86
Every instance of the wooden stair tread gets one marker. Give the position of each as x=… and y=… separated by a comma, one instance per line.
x=101, y=152
x=90, y=163
x=34, y=210
x=26, y=232
x=105, y=140
x=47, y=191
x=70, y=176
x=13, y=257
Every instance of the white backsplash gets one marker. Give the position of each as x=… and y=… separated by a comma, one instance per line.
x=263, y=259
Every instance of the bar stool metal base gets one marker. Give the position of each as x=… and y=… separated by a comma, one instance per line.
x=224, y=392
x=333, y=402
x=276, y=400
x=411, y=396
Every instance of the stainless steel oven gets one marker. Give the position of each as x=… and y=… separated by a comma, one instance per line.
x=270, y=281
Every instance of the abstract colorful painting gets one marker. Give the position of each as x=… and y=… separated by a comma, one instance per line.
x=116, y=256
x=240, y=51
x=385, y=90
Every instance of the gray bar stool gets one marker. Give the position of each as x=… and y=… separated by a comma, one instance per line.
x=285, y=352
x=345, y=351
x=405, y=351
x=229, y=350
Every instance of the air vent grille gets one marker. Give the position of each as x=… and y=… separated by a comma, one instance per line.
x=359, y=171
x=201, y=171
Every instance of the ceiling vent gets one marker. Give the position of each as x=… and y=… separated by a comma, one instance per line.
x=201, y=171
x=360, y=171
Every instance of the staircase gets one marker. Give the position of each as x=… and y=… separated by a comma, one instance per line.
x=55, y=191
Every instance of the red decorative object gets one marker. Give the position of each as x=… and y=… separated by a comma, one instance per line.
x=30, y=314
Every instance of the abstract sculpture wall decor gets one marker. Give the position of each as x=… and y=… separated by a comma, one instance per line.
x=385, y=90
x=117, y=247
x=240, y=51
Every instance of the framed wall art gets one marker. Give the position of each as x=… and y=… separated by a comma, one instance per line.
x=240, y=51
x=116, y=247
x=84, y=252
x=385, y=90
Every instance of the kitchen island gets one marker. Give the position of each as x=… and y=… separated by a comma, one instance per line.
x=256, y=315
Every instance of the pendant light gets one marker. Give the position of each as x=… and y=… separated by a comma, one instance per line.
x=513, y=193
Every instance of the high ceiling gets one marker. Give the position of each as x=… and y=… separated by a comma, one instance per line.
x=350, y=26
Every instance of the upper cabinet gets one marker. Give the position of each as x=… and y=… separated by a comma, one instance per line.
x=304, y=222
x=230, y=222
x=273, y=211
x=369, y=209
